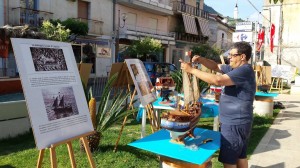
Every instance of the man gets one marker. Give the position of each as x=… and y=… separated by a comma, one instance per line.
x=236, y=102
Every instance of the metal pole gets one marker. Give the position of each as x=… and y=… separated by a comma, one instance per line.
x=254, y=45
x=117, y=38
x=279, y=49
x=113, y=45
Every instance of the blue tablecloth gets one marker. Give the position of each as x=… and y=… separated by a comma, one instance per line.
x=159, y=143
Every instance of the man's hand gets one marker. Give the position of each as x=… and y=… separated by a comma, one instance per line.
x=185, y=66
x=196, y=59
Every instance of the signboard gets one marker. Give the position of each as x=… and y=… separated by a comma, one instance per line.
x=242, y=36
x=244, y=26
x=53, y=90
x=141, y=81
x=283, y=71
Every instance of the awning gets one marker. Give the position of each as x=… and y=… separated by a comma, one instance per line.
x=189, y=24
x=102, y=42
x=203, y=23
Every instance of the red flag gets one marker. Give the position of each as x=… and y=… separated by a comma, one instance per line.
x=272, y=34
x=261, y=38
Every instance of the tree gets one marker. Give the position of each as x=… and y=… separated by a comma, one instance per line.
x=56, y=33
x=144, y=47
x=76, y=27
x=207, y=51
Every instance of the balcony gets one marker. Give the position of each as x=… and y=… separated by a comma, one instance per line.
x=136, y=32
x=159, y=7
x=185, y=37
x=179, y=7
x=95, y=26
x=32, y=17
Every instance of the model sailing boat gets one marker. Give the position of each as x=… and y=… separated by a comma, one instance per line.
x=59, y=105
x=182, y=121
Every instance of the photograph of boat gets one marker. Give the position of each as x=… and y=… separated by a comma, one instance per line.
x=48, y=59
x=59, y=105
x=59, y=102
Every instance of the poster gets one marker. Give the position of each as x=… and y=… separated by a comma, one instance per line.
x=53, y=90
x=141, y=81
x=103, y=52
x=283, y=71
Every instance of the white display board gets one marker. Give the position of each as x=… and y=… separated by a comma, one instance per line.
x=283, y=71
x=53, y=90
x=141, y=81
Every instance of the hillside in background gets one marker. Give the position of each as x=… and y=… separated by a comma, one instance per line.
x=210, y=9
x=231, y=22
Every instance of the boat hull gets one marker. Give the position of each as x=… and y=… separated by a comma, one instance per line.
x=175, y=126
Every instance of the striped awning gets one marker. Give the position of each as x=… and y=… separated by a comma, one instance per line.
x=189, y=24
x=203, y=23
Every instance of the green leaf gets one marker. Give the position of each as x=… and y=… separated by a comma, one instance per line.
x=112, y=109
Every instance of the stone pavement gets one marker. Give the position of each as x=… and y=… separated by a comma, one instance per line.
x=280, y=147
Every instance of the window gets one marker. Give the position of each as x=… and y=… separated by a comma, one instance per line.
x=131, y=19
x=152, y=24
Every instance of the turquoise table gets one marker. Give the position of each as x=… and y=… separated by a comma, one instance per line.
x=263, y=103
x=159, y=143
x=262, y=94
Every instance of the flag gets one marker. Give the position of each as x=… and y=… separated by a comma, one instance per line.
x=272, y=34
x=261, y=38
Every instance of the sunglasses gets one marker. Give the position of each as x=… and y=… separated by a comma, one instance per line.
x=234, y=55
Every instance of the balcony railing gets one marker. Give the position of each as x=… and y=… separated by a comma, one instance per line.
x=143, y=31
x=181, y=7
x=159, y=7
x=189, y=38
x=95, y=26
x=32, y=17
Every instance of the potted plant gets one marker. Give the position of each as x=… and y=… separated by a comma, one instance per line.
x=111, y=109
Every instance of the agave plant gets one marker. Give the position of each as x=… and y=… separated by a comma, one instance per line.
x=111, y=109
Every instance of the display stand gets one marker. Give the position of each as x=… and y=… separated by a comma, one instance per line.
x=70, y=150
x=84, y=72
x=124, y=79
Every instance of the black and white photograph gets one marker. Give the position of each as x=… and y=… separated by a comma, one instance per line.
x=48, y=59
x=59, y=102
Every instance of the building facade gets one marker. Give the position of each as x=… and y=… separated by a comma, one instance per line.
x=284, y=16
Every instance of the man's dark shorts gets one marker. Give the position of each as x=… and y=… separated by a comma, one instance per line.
x=234, y=139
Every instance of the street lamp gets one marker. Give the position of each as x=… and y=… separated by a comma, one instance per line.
x=124, y=17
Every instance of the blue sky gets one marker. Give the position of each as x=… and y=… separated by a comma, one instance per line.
x=226, y=7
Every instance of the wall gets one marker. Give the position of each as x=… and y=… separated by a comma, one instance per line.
x=290, y=34
x=143, y=18
x=2, y=13
x=14, y=119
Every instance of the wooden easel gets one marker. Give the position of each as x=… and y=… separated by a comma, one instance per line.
x=70, y=150
x=124, y=79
